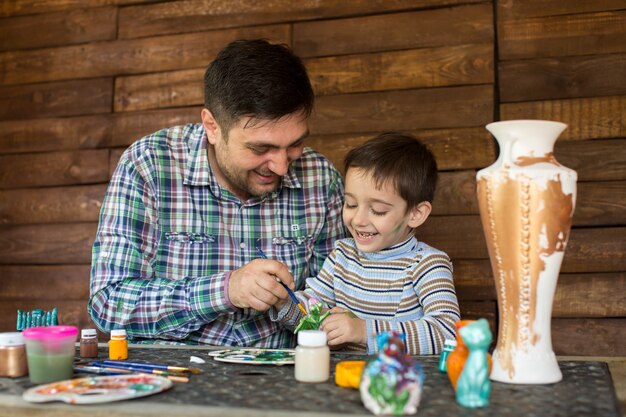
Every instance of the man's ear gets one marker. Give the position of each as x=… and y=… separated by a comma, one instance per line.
x=211, y=127
x=419, y=214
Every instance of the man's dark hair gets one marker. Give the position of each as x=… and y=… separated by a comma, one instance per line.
x=400, y=160
x=258, y=79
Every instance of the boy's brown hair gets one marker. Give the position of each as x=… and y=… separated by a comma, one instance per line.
x=400, y=159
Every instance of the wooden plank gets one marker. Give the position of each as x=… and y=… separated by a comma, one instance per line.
x=562, y=77
x=428, y=67
x=61, y=28
x=23, y=7
x=114, y=58
x=34, y=283
x=517, y=9
x=578, y=34
x=51, y=205
x=598, y=160
x=395, y=70
x=199, y=15
x=427, y=28
x=131, y=126
x=87, y=132
x=587, y=118
x=590, y=295
x=601, y=249
x=53, y=244
x=474, y=310
x=460, y=148
x=589, y=337
x=473, y=280
x=57, y=134
x=431, y=108
x=53, y=168
x=600, y=204
x=67, y=98
x=114, y=158
x=595, y=250
x=70, y=313
x=456, y=194
x=161, y=90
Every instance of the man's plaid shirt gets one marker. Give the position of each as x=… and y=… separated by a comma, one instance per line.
x=169, y=236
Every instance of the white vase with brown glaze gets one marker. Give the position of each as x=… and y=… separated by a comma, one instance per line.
x=526, y=200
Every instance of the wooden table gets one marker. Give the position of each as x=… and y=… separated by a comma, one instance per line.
x=591, y=387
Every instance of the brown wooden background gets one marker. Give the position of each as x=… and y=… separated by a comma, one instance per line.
x=81, y=80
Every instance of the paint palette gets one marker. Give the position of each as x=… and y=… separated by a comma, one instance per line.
x=255, y=356
x=98, y=389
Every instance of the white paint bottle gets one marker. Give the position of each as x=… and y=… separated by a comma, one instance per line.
x=312, y=357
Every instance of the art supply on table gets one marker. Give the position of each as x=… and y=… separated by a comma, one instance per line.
x=291, y=294
x=50, y=352
x=253, y=356
x=88, y=343
x=13, y=362
x=36, y=318
x=348, y=373
x=448, y=347
x=122, y=367
x=98, y=389
x=157, y=366
x=118, y=345
x=312, y=361
x=87, y=369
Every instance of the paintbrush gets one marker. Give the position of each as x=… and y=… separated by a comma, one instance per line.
x=291, y=294
x=149, y=366
x=129, y=369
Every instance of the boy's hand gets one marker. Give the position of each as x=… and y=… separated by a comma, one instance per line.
x=343, y=327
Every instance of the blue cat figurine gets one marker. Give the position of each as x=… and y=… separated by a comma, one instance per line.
x=473, y=386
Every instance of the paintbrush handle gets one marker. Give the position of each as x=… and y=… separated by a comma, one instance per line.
x=148, y=365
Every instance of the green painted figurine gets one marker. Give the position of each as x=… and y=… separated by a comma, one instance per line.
x=36, y=318
x=313, y=320
x=473, y=386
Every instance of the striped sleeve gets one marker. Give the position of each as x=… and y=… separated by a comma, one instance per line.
x=434, y=287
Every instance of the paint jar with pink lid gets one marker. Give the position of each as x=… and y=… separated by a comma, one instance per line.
x=12, y=355
x=50, y=352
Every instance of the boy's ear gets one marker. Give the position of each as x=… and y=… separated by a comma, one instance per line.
x=211, y=127
x=419, y=214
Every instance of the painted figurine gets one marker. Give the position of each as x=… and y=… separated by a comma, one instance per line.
x=473, y=386
x=36, y=318
x=313, y=320
x=392, y=383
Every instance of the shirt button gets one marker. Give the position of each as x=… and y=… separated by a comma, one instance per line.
x=242, y=245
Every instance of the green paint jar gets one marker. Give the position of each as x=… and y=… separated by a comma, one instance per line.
x=50, y=353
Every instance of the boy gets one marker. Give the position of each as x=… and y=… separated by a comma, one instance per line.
x=383, y=278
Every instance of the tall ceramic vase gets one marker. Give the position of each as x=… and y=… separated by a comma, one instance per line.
x=526, y=200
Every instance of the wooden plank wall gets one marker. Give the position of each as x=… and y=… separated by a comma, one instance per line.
x=80, y=81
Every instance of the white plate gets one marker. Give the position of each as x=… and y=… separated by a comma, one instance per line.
x=255, y=356
x=98, y=389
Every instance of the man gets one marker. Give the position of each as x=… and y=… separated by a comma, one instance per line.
x=189, y=209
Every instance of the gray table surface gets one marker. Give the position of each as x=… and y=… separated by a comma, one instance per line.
x=224, y=389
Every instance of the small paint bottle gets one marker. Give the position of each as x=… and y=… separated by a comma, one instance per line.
x=448, y=346
x=12, y=355
x=312, y=360
x=118, y=345
x=88, y=343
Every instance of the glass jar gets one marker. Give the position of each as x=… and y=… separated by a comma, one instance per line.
x=88, y=343
x=12, y=355
x=118, y=345
x=312, y=361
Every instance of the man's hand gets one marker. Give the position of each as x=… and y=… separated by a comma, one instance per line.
x=255, y=284
x=343, y=327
